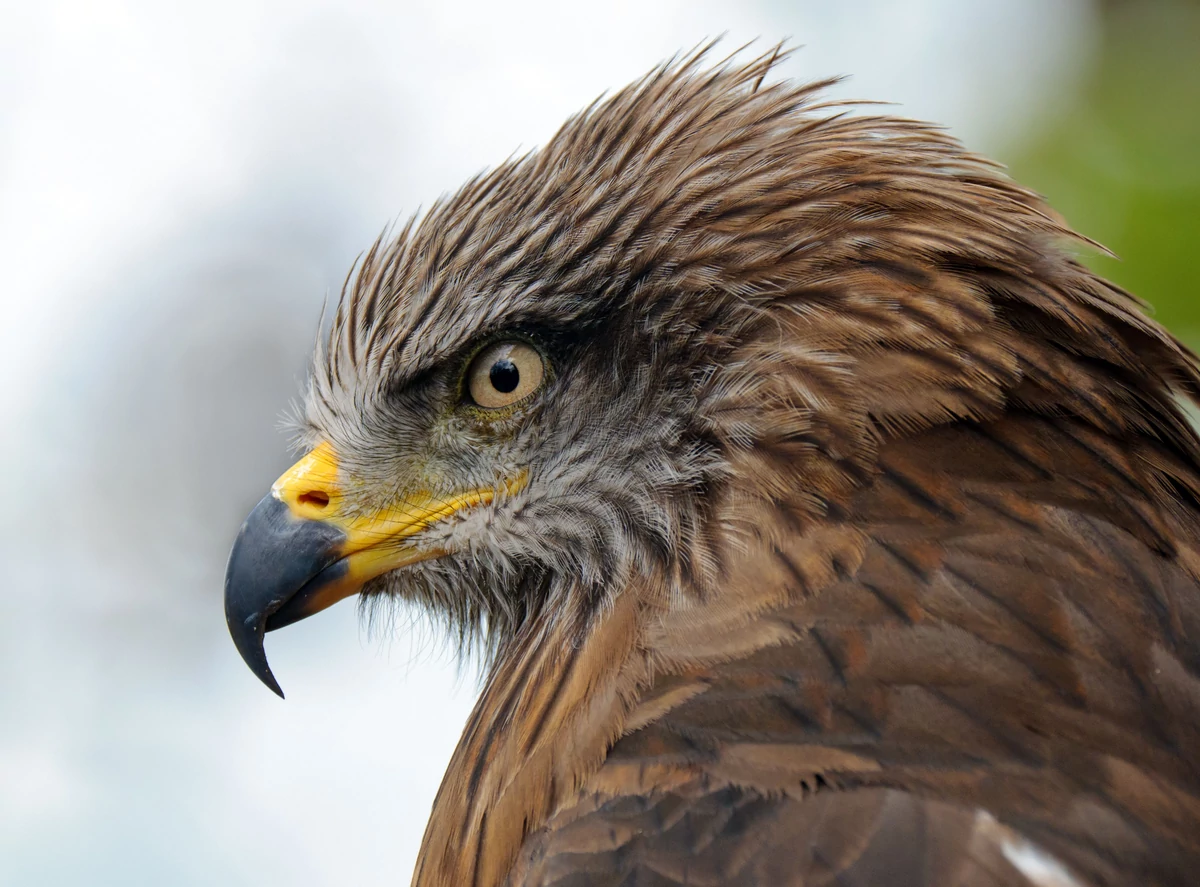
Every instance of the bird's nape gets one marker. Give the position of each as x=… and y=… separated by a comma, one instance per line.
x=828, y=521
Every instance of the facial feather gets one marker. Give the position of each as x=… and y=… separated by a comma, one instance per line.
x=742, y=291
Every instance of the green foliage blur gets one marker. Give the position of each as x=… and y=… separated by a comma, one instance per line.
x=1123, y=163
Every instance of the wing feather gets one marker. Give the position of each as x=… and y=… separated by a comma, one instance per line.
x=1003, y=691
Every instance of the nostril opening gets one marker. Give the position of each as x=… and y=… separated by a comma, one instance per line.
x=316, y=498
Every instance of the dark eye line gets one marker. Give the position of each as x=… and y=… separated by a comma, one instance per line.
x=422, y=379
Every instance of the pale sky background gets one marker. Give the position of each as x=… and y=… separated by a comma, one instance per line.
x=180, y=187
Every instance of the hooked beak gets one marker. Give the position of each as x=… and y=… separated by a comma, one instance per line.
x=301, y=550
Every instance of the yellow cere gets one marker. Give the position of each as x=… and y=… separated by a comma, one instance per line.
x=311, y=491
x=375, y=542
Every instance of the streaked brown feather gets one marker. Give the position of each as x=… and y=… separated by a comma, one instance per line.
x=999, y=653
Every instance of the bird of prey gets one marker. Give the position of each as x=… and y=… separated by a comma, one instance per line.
x=821, y=518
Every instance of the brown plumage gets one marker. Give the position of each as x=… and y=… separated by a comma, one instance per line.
x=851, y=537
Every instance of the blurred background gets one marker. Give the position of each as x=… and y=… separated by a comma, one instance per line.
x=181, y=185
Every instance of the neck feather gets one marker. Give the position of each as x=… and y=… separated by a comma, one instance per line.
x=550, y=709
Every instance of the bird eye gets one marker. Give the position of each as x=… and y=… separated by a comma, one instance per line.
x=505, y=373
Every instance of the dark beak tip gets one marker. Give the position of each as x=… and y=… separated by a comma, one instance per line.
x=268, y=679
x=247, y=636
x=273, y=684
x=271, y=567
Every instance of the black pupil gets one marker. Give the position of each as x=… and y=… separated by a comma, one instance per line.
x=504, y=375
